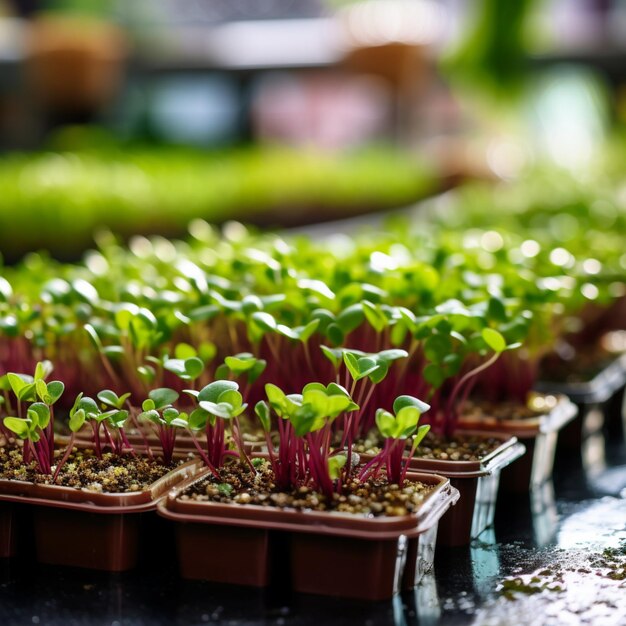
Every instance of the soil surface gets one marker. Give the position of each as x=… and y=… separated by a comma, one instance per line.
x=83, y=470
x=482, y=409
x=374, y=498
x=460, y=448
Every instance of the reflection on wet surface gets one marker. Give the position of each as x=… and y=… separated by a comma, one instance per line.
x=570, y=568
x=598, y=524
x=557, y=557
x=582, y=579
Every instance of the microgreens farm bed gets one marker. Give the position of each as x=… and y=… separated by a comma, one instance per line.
x=301, y=390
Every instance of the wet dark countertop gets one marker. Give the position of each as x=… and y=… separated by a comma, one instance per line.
x=542, y=534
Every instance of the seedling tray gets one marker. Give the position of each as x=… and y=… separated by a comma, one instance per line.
x=8, y=529
x=594, y=401
x=477, y=483
x=599, y=389
x=334, y=554
x=539, y=435
x=82, y=528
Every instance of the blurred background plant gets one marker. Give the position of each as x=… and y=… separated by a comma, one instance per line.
x=138, y=117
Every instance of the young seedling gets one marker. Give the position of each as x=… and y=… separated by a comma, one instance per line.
x=36, y=429
x=305, y=435
x=397, y=428
x=166, y=419
x=86, y=410
x=108, y=423
x=188, y=365
x=219, y=406
x=301, y=334
x=243, y=365
x=136, y=332
x=188, y=369
x=366, y=371
x=32, y=429
x=5, y=405
x=493, y=340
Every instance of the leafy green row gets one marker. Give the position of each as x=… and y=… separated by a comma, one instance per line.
x=55, y=201
x=130, y=318
x=305, y=451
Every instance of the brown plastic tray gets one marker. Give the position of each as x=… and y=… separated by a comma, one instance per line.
x=539, y=435
x=8, y=534
x=86, y=529
x=328, y=553
x=596, y=407
x=477, y=483
x=594, y=391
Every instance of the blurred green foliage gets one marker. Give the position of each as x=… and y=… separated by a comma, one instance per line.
x=56, y=200
x=493, y=54
x=91, y=8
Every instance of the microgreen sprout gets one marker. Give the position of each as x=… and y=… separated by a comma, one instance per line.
x=36, y=428
x=107, y=426
x=187, y=369
x=243, y=365
x=463, y=385
x=219, y=406
x=397, y=428
x=165, y=418
x=363, y=373
x=305, y=452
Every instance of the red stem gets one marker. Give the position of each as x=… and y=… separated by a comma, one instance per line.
x=63, y=460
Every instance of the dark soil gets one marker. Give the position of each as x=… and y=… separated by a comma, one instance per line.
x=373, y=498
x=83, y=470
x=460, y=448
x=481, y=409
